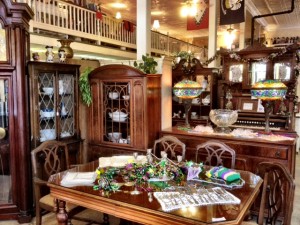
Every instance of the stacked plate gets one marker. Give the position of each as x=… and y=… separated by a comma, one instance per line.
x=118, y=116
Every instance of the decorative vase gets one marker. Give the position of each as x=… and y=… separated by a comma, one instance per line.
x=65, y=45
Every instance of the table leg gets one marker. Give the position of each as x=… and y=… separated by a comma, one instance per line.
x=61, y=215
x=105, y=219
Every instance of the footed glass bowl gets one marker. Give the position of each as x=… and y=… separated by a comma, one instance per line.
x=223, y=118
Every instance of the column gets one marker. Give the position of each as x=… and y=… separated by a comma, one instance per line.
x=143, y=39
x=212, y=36
x=242, y=36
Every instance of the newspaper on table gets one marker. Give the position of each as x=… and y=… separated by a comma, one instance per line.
x=176, y=200
x=72, y=179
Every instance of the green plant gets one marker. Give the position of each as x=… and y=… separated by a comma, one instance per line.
x=184, y=54
x=147, y=66
x=84, y=86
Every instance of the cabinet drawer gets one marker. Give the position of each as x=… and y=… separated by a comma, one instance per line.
x=262, y=151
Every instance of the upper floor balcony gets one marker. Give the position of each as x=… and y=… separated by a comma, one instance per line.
x=94, y=33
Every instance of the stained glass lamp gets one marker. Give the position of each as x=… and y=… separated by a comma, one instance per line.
x=187, y=90
x=268, y=91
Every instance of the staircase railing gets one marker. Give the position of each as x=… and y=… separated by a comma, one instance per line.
x=67, y=18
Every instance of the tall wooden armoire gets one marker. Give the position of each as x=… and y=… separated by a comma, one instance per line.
x=15, y=170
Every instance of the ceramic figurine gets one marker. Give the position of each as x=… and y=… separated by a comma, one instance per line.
x=62, y=56
x=35, y=56
x=49, y=54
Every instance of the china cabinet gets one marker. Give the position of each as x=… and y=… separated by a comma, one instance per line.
x=53, y=94
x=244, y=68
x=15, y=175
x=201, y=106
x=125, y=115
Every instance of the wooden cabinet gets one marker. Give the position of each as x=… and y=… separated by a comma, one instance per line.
x=244, y=68
x=249, y=151
x=15, y=176
x=125, y=114
x=201, y=106
x=53, y=101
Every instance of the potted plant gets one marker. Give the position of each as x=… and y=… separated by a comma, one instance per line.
x=84, y=86
x=148, y=65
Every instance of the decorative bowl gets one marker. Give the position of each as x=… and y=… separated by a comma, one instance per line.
x=114, y=136
x=205, y=101
x=118, y=114
x=47, y=113
x=47, y=134
x=223, y=118
x=113, y=95
x=48, y=90
x=126, y=97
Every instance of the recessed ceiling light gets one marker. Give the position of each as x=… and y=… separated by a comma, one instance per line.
x=118, y=5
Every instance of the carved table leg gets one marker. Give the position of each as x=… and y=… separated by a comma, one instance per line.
x=61, y=215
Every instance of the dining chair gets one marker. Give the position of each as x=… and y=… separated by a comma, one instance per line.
x=216, y=152
x=47, y=159
x=171, y=145
x=277, y=195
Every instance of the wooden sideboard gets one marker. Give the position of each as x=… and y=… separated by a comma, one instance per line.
x=249, y=151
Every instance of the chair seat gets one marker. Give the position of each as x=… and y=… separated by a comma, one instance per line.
x=249, y=223
x=48, y=200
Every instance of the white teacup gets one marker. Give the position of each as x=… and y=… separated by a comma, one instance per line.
x=194, y=114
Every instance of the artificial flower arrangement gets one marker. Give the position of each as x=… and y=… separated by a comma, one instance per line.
x=143, y=174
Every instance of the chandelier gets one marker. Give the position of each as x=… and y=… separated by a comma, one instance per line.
x=189, y=8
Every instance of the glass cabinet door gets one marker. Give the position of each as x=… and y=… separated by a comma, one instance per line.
x=5, y=173
x=257, y=72
x=47, y=106
x=117, y=113
x=56, y=105
x=66, y=101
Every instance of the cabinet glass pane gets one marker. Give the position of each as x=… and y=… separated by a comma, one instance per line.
x=282, y=71
x=3, y=56
x=66, y=104
x=116, y=108
x=257, y=72
x=47, y=106
x=5, y=173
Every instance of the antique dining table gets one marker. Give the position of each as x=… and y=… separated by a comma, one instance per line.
x=144, y=210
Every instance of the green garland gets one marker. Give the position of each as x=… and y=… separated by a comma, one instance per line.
x=84, y=86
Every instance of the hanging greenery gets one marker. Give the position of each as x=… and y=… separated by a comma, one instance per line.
x=84, y=86
x=148, y=65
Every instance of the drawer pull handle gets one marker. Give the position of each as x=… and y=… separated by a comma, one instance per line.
x=277, y=154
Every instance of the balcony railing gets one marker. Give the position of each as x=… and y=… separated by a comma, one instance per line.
x=70, y=19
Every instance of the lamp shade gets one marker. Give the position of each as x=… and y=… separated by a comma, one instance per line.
x=187, y=89
x=269, y=90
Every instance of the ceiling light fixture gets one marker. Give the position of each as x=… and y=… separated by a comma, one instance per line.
x=229, y=37
x=189, y=8
x=118, y=15
x=155, y=25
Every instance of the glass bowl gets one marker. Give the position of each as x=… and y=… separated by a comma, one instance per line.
x=223, y=118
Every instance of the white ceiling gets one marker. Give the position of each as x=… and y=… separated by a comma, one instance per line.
x=171, y=22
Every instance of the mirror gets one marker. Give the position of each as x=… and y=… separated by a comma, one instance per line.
x=257, y=72
x=236, y=73
x=3, y=56
x=282, y=71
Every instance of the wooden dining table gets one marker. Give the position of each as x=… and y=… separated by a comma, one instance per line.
x=144, y=210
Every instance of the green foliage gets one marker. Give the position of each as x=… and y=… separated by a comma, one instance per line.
x=184, y=54
x=147, y=66
x=84, y=86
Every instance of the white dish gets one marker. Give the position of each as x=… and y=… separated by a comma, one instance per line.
x=65, y=134
x=47, y=134
x=113, y=95
x=114, y=136
x=117, y=114
x=48, y=90
x=126, y=97
x=119, y=119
